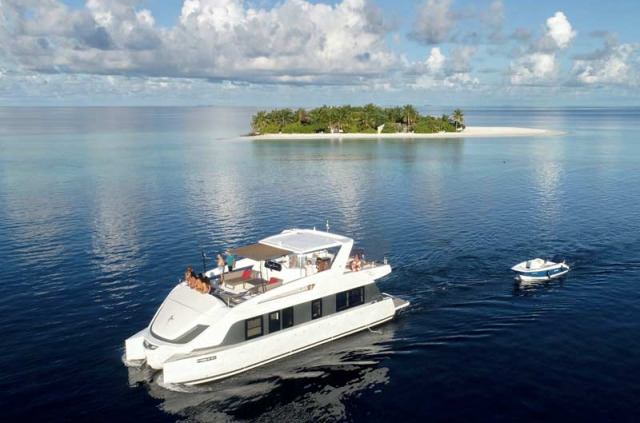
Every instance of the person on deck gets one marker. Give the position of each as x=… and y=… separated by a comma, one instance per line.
x=231, y=259
x=190, y=277
x=311, y=268
x=203, y=284
x=355, y=264
x=221, y=267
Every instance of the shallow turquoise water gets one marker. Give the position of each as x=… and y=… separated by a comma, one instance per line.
x=102, y=208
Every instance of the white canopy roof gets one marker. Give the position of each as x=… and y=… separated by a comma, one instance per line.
x=301, y=241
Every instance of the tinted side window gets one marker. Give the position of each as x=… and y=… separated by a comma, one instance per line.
x=356, y=297
x=253, y=327
x=274, y=321
x=316, y=308
x=341, y=301
x=287, y=317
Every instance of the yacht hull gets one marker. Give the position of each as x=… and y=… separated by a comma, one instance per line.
x=217, y=364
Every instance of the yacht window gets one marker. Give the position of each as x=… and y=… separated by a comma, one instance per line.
x=356, y=297
x=274, y=321
x=316, y=308
x=253, y=327
x=341, y=301
x=287, y=317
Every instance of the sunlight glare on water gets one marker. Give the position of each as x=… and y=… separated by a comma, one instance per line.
x=101, y=209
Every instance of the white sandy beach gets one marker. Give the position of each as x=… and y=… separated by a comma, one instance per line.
x=469, y=132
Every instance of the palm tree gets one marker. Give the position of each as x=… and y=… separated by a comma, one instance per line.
x=458, y=117
x=395, y=114
x=443, y=122
x=369, y=116
x=285, y=117
x=409, y=115
x=302, y=115
x=259, y=121
x=342, y=116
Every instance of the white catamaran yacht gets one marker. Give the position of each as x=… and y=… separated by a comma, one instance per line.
x=288, y=293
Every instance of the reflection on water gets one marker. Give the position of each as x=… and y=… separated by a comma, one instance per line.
x=309, y=386
x=525, y=288
x=546, y=160
x=101, y=209
x=216, y=192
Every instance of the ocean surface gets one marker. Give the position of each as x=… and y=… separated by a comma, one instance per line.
x=101, y=210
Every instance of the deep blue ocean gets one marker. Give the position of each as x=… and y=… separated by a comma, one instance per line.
x=101, y=210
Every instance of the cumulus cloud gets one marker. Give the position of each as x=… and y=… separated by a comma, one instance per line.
x=559, y=30
x=539, y=65
x=433, y=22
x=436, y=60
x=438, y=71
x=461, y=59
x=612, y=65
x=493, y=18
x=295, y=41
x=533, y=68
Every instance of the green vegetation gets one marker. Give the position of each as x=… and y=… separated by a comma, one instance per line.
x=350, y=119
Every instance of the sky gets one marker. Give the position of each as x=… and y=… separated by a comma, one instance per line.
x=309, y=52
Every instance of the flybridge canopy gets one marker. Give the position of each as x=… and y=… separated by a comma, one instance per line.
x=305, y=241
x=259, y=252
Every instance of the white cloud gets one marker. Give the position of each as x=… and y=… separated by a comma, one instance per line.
x=461, y=59
x=534, y=68
x=540, y=64
x=618, y=64
x=296, y=41
x=559, y=30
x=493, y=18
x=435, y=62
x=433, y=23
x=439, y=72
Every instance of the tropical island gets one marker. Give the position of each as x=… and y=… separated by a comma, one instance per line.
x=346, y=119
x=371, y=121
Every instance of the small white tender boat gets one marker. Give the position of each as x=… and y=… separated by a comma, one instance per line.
x=540, y=270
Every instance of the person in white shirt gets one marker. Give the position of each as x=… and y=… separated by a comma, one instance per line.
x=310, y=268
